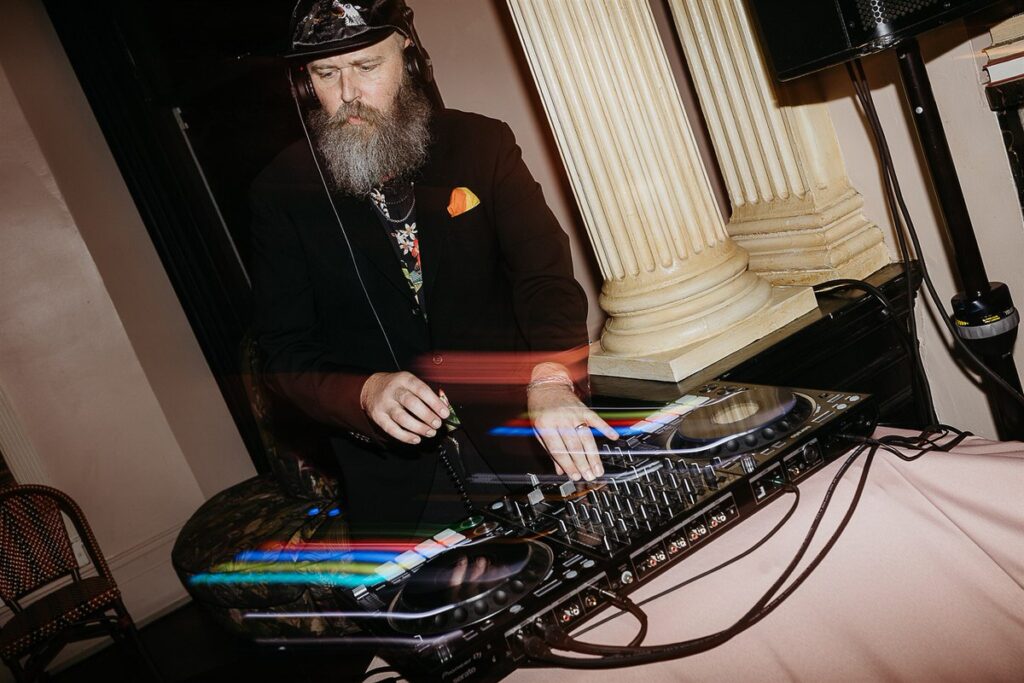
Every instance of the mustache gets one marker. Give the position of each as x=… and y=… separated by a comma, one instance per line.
x=357, y=109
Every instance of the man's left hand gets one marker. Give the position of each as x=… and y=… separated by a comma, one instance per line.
x=564, y=423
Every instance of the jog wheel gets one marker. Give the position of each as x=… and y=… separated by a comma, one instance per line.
x=468, y=584
x=742, y=422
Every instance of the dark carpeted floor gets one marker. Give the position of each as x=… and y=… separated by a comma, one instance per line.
x=186, y=646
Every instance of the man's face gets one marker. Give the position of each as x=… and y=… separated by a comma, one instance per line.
x=375, y=120
x=370, y=77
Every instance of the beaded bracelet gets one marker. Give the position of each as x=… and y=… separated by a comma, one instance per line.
x=551, y=380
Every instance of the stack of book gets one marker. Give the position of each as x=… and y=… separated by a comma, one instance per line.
x=1005, y=91
x=1005, y=65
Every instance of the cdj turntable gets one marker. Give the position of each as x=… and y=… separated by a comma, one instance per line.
x=560, y=550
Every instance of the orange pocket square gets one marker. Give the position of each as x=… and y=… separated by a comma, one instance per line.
x=462, y=200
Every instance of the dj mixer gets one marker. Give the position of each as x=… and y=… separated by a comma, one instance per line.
x=558, y=551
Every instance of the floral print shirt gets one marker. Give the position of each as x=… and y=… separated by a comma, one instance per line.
x=396, y=205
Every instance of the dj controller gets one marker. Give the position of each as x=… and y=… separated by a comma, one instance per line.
x=558, y=551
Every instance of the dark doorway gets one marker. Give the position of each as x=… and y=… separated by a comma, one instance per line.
x=194, y=103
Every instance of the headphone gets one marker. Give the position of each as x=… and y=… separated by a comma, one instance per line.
x=417, y=65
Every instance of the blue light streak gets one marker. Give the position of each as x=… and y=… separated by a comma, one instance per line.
x=286, y=578
x=528, y=431
x=374, y=556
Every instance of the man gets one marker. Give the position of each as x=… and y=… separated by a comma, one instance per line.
x=420, y=233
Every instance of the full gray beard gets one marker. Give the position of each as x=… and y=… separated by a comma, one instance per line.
x=384, y=146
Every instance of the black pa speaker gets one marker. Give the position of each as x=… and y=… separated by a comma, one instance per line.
x=801, y=36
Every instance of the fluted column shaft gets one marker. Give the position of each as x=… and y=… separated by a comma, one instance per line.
x=20, y=455
x=672, y=275
x=794, y=209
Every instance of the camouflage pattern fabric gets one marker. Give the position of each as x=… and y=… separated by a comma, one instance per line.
x=254, y=515
x=297, y=449
x=271, y=511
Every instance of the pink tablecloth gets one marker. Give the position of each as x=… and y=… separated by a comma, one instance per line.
x=926, y=583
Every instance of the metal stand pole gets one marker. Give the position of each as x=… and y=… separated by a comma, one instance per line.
x=983, y=311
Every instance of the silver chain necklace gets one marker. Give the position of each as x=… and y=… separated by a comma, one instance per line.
x=377, y=197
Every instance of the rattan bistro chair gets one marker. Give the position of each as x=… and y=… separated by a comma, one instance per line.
x=36, y=554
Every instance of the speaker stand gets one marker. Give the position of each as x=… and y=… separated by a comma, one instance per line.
x=983, y=311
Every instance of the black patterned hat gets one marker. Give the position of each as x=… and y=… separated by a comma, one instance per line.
x=326, y=27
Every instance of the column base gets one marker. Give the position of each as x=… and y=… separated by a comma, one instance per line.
x=787, y=304
x=812, y=245
x=856, y=268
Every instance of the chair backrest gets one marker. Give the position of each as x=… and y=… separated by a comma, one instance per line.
x=297, y=449
x=35, y=548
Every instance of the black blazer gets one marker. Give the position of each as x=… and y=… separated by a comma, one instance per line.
x=497, y=277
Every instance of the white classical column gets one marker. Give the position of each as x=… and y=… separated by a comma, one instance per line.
x=676, y=288
x=20, y=455
x=794, y=209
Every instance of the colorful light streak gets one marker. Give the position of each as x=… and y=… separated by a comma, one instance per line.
x=342, y=580
x=528, y=431
x=626, y=421
x=386, y=545
x=315, y=555
x=348, y=564
x=360, y=614
x=612, y=421
x=361, y=568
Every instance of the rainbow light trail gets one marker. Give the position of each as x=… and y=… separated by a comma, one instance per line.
x=349, y=565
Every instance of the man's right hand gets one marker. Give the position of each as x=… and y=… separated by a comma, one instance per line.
x=403, y=406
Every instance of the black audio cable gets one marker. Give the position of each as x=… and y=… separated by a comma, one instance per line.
x=560, y=639
x=907, y=337
x=624, y=603
x=860, y=86
x=341, y=226
x=460, y=486
x=787, y=488
x=925, y=442
x=856, y=499
x=894, y=196
x=618, y=656
x=540, y=653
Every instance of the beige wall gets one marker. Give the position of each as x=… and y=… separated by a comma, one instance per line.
x=101, y=376
x=982, y=164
